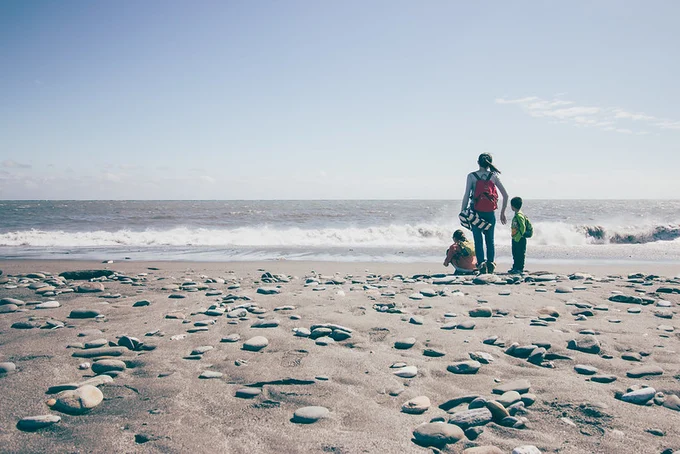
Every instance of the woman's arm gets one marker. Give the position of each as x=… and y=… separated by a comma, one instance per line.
x=504, y=193
x=466, y=196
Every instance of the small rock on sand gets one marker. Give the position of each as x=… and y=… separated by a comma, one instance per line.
x=7, y=368
x=406, y=372
x=464, y=367
x=437, y=434
x=644, y=371
x=416, y=406
x=309, y=415
x=256, y=343
x=32, y=423
x=78, y=401
x=526, y=449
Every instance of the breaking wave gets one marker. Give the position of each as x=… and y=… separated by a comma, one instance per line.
x=405, y=235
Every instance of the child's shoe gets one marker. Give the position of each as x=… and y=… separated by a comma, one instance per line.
x=490, y=267
x=482, y=268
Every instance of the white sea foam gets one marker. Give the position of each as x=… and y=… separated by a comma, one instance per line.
x=392, y=236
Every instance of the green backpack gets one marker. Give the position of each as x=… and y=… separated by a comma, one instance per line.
x=529, y=232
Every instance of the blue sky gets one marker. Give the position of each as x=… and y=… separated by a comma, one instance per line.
x=352, y=99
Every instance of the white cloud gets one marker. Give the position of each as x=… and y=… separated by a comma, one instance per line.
x=10, y=164
x=603, y=118
x=207, y=179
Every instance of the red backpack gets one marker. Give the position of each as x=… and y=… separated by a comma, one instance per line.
x=485, y=198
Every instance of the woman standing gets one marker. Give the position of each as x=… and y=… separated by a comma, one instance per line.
x=482, y=197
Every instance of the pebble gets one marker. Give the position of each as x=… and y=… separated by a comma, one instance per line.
x=309, y=415
x=32, y=423
x=248, y=393
x=207, y=374
x=482, y=357
x=84, y=313
x=405, y=344
x=471, y=418
x=48, y=305
x=7, y=368
x=640, y=396
x=603, y=378
x=521, y=386
x=104, y=366
x=467, y=325
x=437, y=434
x=417, y=405
x=272, y=323
x=231, y=338
x=256, y=343
x=644, y=371
x=586, y=344
x=481, y=312
x=497, y=410
x=416, y=320
x=141, y=303
x=585, y=370
x=268, y=290
x=526, y=449
x=406, y=372
x=90, y=287
x=78, y=401
x=464, y=367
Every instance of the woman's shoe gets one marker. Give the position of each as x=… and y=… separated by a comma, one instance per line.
x=482, y=268
x=490, y=267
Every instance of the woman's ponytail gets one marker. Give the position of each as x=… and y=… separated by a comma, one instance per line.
x=485, y=161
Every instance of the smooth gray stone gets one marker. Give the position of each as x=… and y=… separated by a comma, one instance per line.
x=586, y=344
x=104, y=366
x=141, y=303
x=32, y=423
x=437, y=434
x=84, y=313
x=309, y=415
x=231, y=338
x=522, y=386
x=639, y=397
x=273, y=323
x=208, y=374
x=464, y=367
x=603, y=378
x=84, y=275
x=14, y=301
x=405, y=344
x=268, y=290
x=7, y=368
x=256, y=343
x=96, y=352
x=644, y=371
x=585, y=369
x=248, y=393
x=471, y=418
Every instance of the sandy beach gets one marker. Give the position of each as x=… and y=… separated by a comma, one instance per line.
x=318, y=357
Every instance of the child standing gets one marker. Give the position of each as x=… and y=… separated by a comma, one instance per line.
x=461, y=254
x=520, y=225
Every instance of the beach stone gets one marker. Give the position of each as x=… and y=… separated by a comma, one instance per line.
x=201, y=350
x=521, y=386
x=490, y=449
x=480, y=312
x=417, y=405
x=8, y=308
x=586, y=344
x=485, y=279
x=208, y=374
x=428, y=292
x=78, y=401
x=644, y=371
x=90, y=287
x=497, y=409
x=324, y=340
x=248, y=393
x=464, y=367
x=405, y=344
x=97, y=352
x=563, y=289
x=406, y=372
x=481, y=357
x=7, y=368
x=256, y=343
x=176, y=296
x=309, y=415
x=626, y=299
x=6, y=301
x=32, y=423
x=85, y=275
x=302, y=332
x=175, y=316
x=25, y=325
x=415, y=296
x=340, y=335
x=603, y=378
x=508, y=398
x=528, y=399
x=640, y=396
x=131, y=343
x=231, y=338
x=97, y=343
x=417, y=320
x=48, y=305
x=526, y=449
x=537, y=356
x=141, y=303
x=108, y=365
x=433, y=352
x=272, y=323
x=585, y=370
x=471, y=418
x=672, y=401
x=631, y=356
x=467, y=325
x=437, y=434
x=84, y=313
x=268, y=290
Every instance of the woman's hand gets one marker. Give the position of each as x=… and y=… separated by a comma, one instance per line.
x=504, y=220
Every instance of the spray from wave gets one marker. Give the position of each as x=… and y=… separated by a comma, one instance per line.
x=391, y=236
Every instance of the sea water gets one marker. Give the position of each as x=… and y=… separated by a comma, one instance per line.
x=594, y=231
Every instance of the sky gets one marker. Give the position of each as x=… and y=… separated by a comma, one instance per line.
x=312, y=99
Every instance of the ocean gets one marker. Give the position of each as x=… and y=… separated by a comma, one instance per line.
x=566, y=231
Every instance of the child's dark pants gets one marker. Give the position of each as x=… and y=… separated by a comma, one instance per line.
x=519, y=251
